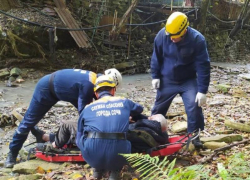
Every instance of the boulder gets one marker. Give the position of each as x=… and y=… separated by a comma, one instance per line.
x=222, y=138
x=15, y=72
x=32, y=166
x=4, y=73
x=179, y=126
x=239, y=126
x=63, y=104
x=214, y=145
x=245, y=76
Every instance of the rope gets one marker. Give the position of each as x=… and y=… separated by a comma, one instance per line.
x=81, y=29
x=220, y=19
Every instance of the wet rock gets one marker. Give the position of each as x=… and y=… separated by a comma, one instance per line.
x=245, y=76
x=216, y=103
x=178, y=100
x=214, y=145
x=11, y=79
x=62, y=104
x=14, y=72
x=173, y=114
x=222, y=138
x=179, y=126
x=31, y=167
x=4, y=73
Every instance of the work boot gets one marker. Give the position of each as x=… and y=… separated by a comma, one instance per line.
x=10, y=160
x=114, y=175
x=197, y=143
x=98, y=173
x=38, y=133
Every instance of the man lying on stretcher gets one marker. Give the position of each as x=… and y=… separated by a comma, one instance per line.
x=144, y=133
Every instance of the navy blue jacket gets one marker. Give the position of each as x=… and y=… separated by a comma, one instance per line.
x=75, y=86
x=178, y=62
x=107, y=114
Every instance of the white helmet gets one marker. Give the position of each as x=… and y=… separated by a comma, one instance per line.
x=115, y=74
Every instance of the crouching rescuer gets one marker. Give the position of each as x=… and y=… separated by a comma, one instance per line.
x=102, y=128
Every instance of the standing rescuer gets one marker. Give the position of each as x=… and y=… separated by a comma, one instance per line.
x=102, y=128
x=180, y=64
x=70, y=85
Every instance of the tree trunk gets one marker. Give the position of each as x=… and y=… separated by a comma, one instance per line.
x=116, y=29
x=203, y=10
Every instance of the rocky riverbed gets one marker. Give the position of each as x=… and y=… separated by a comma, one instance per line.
x=228, y=99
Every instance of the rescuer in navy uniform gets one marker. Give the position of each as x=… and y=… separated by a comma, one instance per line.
x=102, y=128
x=71, y=85
x=180, y=64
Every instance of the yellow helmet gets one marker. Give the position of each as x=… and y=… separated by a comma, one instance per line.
x=104, y=81
x=176, y=24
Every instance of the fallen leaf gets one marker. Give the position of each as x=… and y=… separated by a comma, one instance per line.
x=40, y=170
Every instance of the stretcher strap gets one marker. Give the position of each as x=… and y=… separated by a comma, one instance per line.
x=168, y=144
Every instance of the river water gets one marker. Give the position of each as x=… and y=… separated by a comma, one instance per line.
x=21, y=95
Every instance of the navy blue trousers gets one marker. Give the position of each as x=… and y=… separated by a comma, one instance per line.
x=188, y=91
x=103, y=154
x=40, y=104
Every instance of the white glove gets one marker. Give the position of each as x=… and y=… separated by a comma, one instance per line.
x=156, y=83
x=201, y=99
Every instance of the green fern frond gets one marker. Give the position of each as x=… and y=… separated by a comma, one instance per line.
x=150, y=167
x=171, y=167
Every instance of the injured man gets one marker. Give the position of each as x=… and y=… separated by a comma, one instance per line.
x=144, y=133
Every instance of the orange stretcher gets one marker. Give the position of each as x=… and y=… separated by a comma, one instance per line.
x=174, y=145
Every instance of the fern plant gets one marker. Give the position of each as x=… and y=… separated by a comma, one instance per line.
x=153, y=168
x=237, y=167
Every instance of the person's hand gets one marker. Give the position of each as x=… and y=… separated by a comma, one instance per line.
x=201, y=99
x=156, y=83
x=131, y=120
